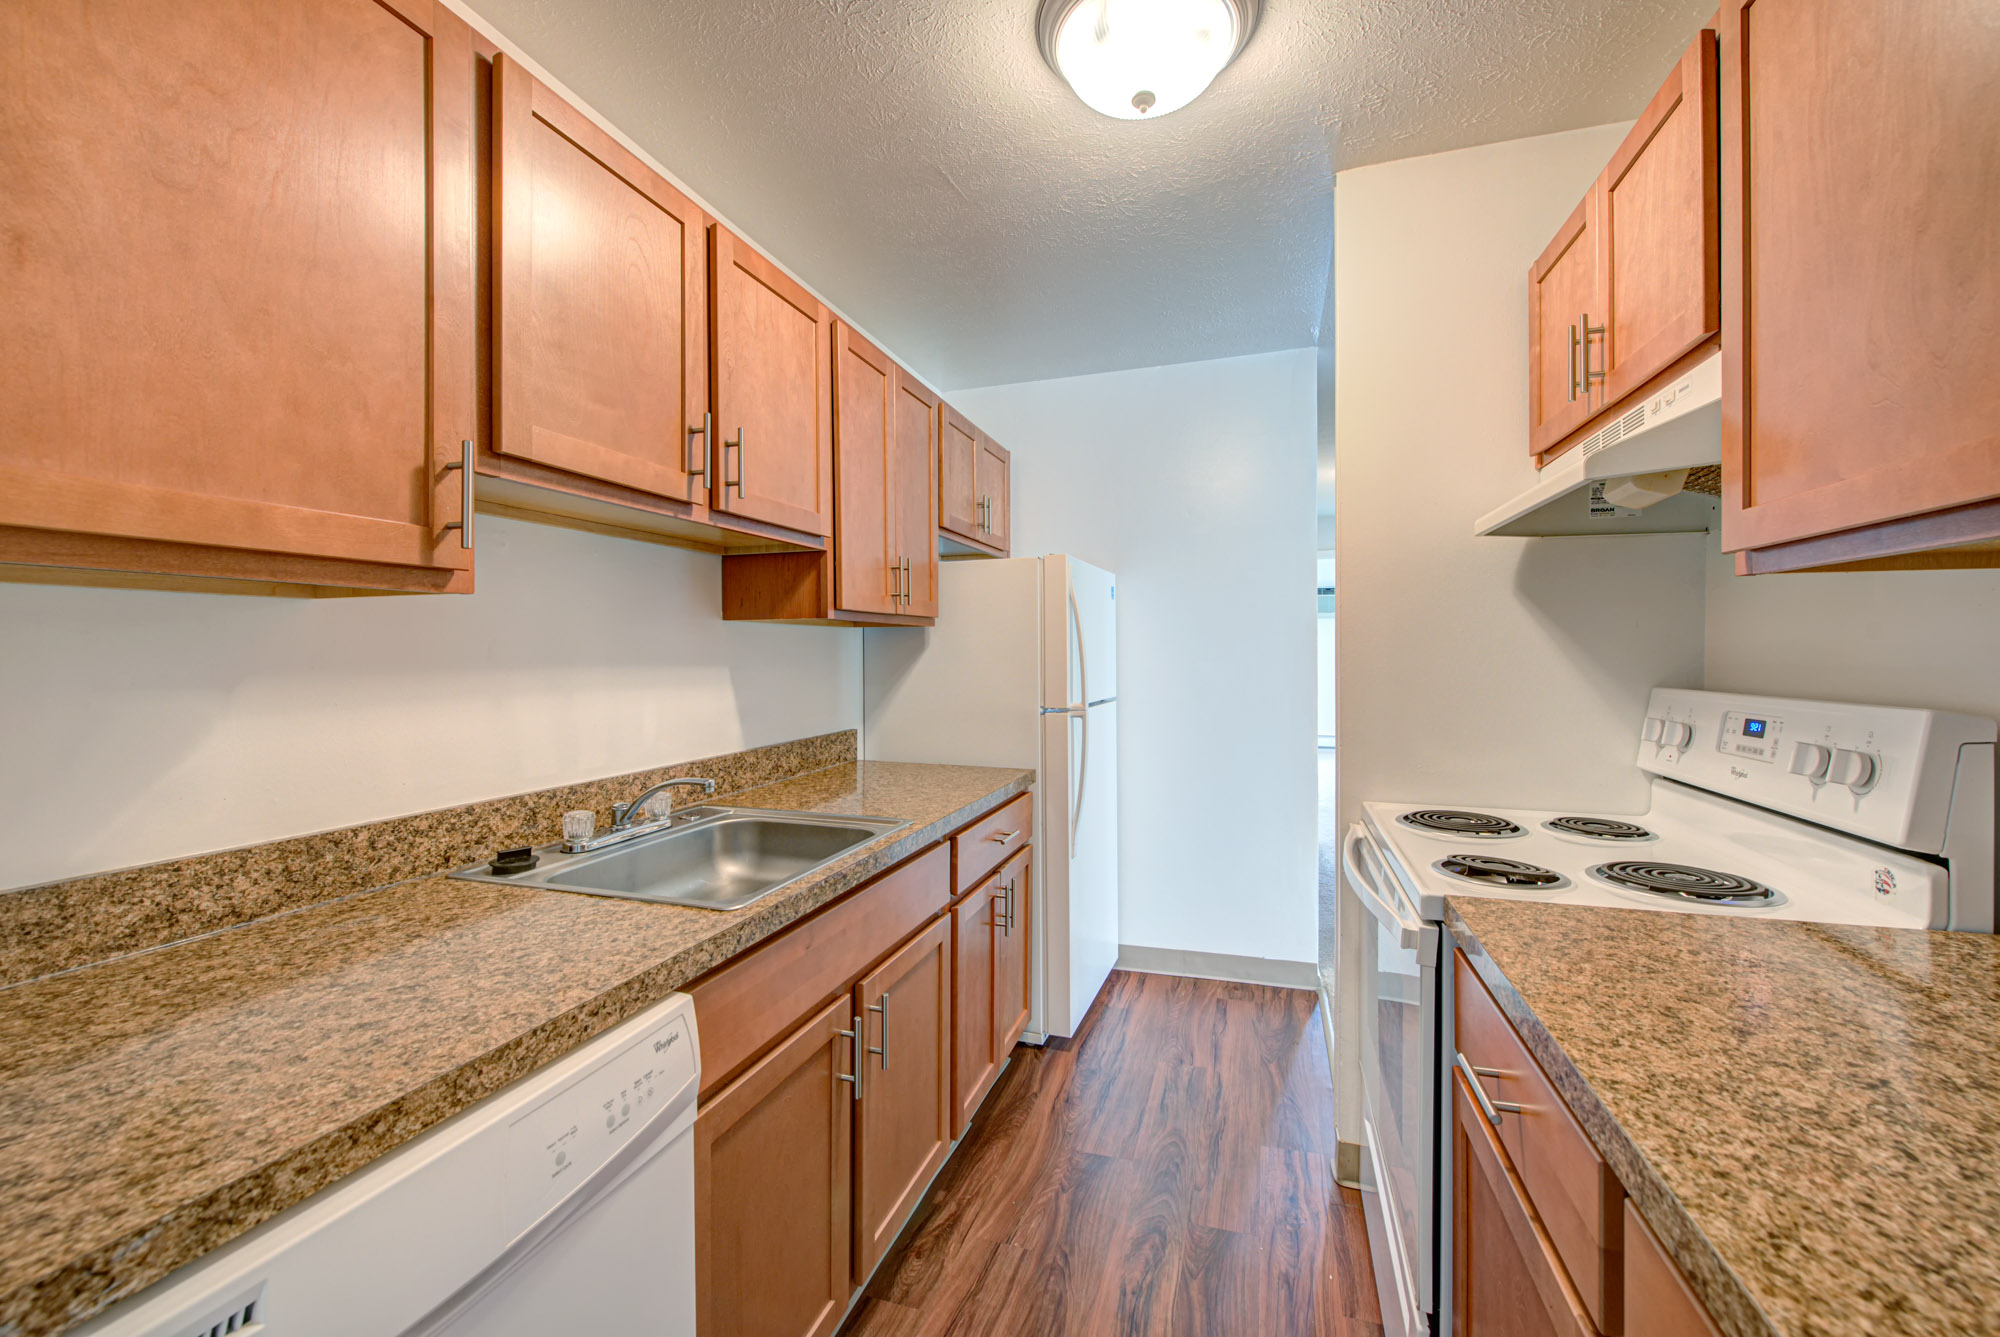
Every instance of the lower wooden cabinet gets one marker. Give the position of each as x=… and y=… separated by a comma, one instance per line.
x=1658, y=1302
x=1011, y=958
x=975, y=1060
x=906, y=1127
x=833, y=1083
x=774, y=1169
x=1506, y=1278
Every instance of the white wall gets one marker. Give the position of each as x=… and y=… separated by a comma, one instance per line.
x=141, y=725
x=1194, y=484
x=1475, y=670
x=1893, y=638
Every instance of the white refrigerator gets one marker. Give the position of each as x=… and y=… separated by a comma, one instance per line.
x=1022, y=670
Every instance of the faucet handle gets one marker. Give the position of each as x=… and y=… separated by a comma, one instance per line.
x=579, y=824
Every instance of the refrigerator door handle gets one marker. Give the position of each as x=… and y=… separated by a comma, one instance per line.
x=1082, y=662
x=1082, y=778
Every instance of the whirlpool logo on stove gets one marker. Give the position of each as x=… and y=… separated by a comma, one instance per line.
x=1885, y=882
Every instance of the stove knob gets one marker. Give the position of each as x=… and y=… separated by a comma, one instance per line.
x=1651, y=733
x=1674, y=734
x=1856, y=770
x=1809, y=760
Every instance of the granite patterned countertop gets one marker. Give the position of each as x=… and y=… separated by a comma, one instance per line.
x=1807, y=1115
x=156, y=1106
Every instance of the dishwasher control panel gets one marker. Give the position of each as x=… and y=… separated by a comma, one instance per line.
x=556, y=1146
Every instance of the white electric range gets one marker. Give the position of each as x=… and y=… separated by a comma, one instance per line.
x=1760, y=807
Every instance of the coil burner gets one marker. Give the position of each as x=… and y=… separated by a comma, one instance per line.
x=1701, y=886
x=1490, y=872
x=1598, y=828
x=1452, y=822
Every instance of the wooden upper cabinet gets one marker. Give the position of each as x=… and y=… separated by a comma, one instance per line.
x=914, y=463
x=881, y=568
x=906, y=1110
x=1562, y=287
x=600, y=301
x=239, y=288
x=772, y=453
x=972, y=486
x=773, y=1184
x=958, y=473
x=996, y=466
x=1630, y=286
x=1861, y=274
x=866, y=561
x=1659, y=239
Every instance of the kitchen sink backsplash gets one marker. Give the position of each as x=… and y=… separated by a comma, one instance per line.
x=61, y=925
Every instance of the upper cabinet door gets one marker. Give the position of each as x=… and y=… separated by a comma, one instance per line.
x=773, y=397
x=995, y=472
x=1659, y=246
x=867, y=573
x=600, y=300
x=915, y=466
x=958, y=467
x=1562, y=288
x=239, y=286
x=1861, y=274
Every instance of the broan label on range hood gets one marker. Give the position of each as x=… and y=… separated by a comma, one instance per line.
x=1626, y=477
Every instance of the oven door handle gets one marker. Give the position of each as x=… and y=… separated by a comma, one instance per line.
x=1410, y=931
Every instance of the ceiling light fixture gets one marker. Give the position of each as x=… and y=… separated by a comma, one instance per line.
x=1140, y=59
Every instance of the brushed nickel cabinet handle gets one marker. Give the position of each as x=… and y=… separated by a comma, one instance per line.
x=1572, y=364
x=908, y=597
x=1003, y=837
x=883, y=1052
x=1585, y=330
x=705, y=432
x=853, y=1079
x=736, y=482
x=1492, y=1109
x=464, y=522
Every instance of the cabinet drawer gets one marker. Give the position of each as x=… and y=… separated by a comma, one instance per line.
x=1574, y=1191
x=1658, y=1302
x=979, y=848
x=747, y=1004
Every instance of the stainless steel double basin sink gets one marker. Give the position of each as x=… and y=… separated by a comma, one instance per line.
x=714, y=858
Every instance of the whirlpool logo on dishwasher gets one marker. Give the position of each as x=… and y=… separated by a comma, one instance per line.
x=662, y=1046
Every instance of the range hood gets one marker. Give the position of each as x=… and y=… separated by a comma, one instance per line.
x=1631, y=476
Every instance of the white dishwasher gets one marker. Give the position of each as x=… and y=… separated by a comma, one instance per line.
x=564, y=1203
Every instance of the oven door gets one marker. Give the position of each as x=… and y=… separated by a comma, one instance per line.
x=1398, y=1083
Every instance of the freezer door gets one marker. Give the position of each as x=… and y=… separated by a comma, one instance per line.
x=1079, y=634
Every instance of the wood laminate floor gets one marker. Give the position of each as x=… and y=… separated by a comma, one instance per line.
x=1167, y=1171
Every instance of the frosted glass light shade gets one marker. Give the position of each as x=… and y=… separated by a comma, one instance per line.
x=1141, y=59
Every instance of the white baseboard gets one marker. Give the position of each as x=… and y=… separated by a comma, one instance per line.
x=1219, y=966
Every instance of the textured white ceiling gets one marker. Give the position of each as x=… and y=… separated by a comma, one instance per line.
x=918, y=164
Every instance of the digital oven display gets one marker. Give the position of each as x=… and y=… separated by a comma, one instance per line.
x=1753, y=728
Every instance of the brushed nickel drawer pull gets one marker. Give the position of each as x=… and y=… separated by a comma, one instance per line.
x=1003, y=837
x=1492, y=1109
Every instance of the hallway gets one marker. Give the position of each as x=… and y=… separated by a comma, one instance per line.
x=1169, y=1170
